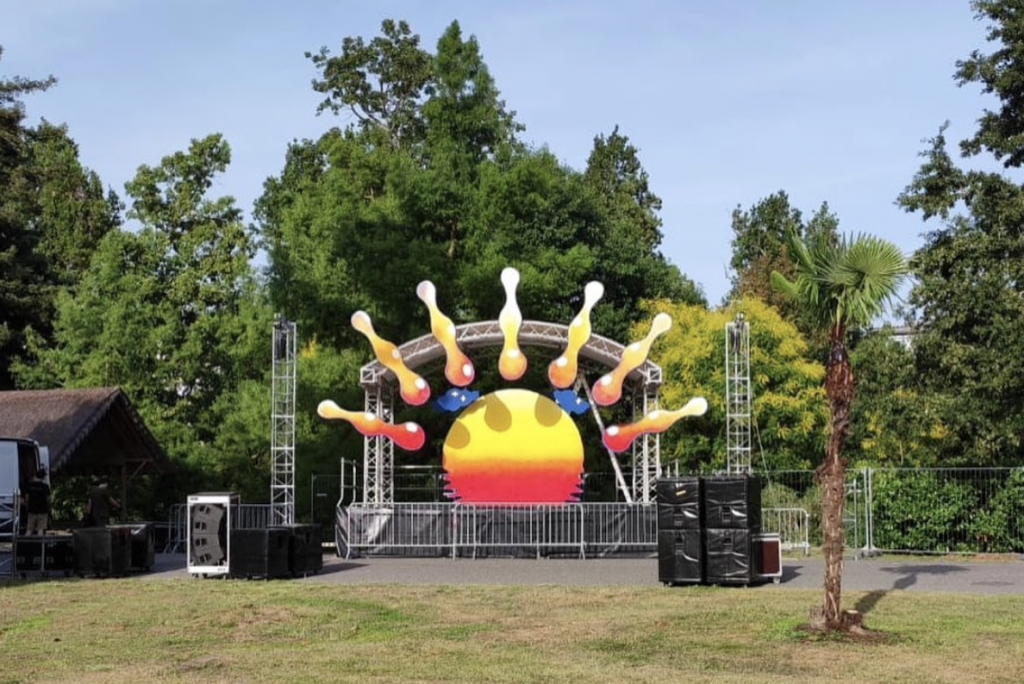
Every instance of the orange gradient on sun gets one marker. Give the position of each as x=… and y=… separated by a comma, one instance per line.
x=514, y=446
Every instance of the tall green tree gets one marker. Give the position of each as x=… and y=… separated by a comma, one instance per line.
x=53, y=213
x=626, y=254
x=897, y=421
x=360, y=216
x=760, y=247
x=169, y=312
x=614, y=171
x=25, y=289
x=969, y=295
x=842, y=286
x=381, y=83
x=73, y=211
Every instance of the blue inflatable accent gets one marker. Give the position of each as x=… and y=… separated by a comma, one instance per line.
x=570, y=403
x=455, y=400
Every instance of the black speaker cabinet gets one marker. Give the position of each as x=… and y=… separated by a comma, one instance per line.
x=679, y=503
x=142, y=550
x=728, y=557
x=259, y=553
x=732, y=502
x=101, y=551
x=305, y=553
x=680, y=557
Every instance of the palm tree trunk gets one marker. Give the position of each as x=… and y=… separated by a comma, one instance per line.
x=831, y=475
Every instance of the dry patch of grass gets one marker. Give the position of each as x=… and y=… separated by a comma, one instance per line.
x=105, y=632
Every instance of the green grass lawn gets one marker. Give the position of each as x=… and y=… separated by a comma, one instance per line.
x=212, y=631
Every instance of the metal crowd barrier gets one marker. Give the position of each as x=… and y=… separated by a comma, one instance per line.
x=791, y=524
x=583, y=529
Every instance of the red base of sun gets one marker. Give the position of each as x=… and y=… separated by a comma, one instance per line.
x=513, y=446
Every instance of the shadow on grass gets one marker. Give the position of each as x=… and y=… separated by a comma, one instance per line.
x=908, y=575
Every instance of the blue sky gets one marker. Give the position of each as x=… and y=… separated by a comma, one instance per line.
x=727, y=102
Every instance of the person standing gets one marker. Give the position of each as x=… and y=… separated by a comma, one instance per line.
x=37, y=494
x=100, y=503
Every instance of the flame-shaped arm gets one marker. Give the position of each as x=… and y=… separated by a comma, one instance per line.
x=562, y=371
x=512, y=363
x=608, y=389
x=413, y=389
x=408, y=436
x=458, y=369
x=619, y=437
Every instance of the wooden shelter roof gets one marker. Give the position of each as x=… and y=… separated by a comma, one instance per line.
x=86, y=430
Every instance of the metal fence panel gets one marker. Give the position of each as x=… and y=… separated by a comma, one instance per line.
x=947, y=510
x=527, y=530
x=791, y=524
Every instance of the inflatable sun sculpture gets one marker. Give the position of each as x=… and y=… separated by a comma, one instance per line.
x=512, y=445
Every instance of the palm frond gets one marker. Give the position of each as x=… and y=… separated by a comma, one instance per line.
x=870, y=271
x=845, y=283
x=783, y=286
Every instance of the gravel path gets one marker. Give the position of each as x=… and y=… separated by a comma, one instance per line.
x=1001, y=576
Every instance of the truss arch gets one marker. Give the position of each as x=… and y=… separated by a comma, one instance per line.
x=377, y=383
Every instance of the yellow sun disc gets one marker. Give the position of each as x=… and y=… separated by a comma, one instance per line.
x=514, y=446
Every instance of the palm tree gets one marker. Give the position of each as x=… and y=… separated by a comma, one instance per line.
x=841, y=285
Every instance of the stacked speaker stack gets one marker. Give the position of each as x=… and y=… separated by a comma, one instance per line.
x=680, y=533
x=50, y=553
x=732, y=517
x=708, y=528
x=209, y=524
x=259, y=553
x=217, y=547
x=273, y=552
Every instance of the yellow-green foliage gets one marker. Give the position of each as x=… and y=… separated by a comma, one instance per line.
x=896, y=421
x=789, y=409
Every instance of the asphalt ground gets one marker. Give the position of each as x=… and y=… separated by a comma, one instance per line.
x=1000, y=575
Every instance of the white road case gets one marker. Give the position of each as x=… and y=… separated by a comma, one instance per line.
x=209, y=532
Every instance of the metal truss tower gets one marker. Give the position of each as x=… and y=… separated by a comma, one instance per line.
x=282, y=419
x=738, y=396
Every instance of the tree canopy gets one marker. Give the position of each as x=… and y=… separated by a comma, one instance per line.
x=168, y=312
x=788, y=398
x=53, y=213
x=430, y=182
x=969, y=295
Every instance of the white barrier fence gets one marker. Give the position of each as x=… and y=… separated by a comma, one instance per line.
x=791, y=524
x=582, y=530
